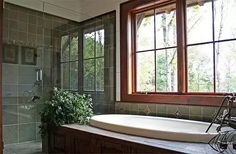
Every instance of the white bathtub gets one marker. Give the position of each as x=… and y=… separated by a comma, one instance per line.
x=156, y=127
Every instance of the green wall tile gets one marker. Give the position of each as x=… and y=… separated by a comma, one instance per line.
x=195, y=111
x=10, y=134
x=27, y=113
x=10, y=115
x=27, y=132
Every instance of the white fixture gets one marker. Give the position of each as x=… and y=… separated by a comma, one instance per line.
x=156, y=127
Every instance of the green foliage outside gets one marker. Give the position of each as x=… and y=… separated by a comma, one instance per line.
x=65, y=107
x=94, y=61
x=203, y=61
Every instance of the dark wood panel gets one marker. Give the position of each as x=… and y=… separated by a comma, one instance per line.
x=1, y=31
x=59, y=142
x=80, y=142
x=141, y=149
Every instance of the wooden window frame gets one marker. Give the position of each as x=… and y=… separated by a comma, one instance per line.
x=128, y=80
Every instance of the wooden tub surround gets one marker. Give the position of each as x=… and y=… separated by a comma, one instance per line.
x=82, y=139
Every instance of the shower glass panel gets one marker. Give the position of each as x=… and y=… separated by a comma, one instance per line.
x=22, y=73
x=32, y=45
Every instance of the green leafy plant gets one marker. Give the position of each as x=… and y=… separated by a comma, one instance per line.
x=65, y=107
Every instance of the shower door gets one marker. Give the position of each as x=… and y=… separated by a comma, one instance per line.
x=1, y=21
x=22, y=74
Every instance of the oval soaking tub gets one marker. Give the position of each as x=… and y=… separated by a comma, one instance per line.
x=156, y=127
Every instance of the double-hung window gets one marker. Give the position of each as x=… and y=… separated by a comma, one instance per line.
x=93, y=60
x=211, y=46
x=178, y=51
x=155, y=50
x=69, y=61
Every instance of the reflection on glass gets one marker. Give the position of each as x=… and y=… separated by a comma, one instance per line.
x=145, y=30
x=145, y=72
x=89, y=75
x=225, y=15
x=74, y=47
x=89, y=45
x=65, y=49
x=65, y=75
x=74, y=75
x=166, y=70
x=200, y=68
x=100, y=43
x=100, y=74
x=199, y=21
x=165, y=27
x=225, y=67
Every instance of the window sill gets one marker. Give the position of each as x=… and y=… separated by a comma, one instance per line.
x=175, y=99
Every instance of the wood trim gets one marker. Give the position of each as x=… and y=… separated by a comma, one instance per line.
x=174, y=99
x=1, y=48
x=125, y=13
x=127, y=88
x=181, y=46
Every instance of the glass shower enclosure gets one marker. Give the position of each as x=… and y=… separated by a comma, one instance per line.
x=31, y=42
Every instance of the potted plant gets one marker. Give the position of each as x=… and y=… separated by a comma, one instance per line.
x=64, y=107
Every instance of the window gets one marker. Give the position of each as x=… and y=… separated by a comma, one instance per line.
x=210, y=58
x=93, y=60
x=178, y=51
x=156, y=65
x=69, y=61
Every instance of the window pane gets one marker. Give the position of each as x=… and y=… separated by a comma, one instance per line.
x=225, y=15
x=89, y=45
x=74, y=47
x=65, y=75
x=145, y=72
x=199, y=21
x=74, y=75
x=200, y=68
x=166, y=70
x=100, y=74
x=166, y=27
x=89, y=75
x=100, y=43
x=145, y=30
x=65, y=42
x=225, y=67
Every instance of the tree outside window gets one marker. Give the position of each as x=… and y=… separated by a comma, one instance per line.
x=69, y=61
x=210, y=49
x=93, y=60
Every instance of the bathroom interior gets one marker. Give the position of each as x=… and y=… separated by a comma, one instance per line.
x=154, y=59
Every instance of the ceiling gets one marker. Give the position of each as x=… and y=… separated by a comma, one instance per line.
x=77, y=10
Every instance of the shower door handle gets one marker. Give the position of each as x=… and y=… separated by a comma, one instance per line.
x=39, y=75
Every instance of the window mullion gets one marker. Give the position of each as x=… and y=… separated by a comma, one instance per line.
x=214, y=46
x=69, y=58
x=95, y=70
x=181, y=45
x=134, y=56
x=155, y=50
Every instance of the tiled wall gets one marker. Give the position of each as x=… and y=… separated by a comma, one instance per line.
x=24, y=27
x=200, y=113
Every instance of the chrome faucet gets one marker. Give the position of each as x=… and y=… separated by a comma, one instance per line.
x=224, y=138
x=225, y=119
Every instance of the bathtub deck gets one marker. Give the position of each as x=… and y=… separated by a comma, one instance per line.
x=184, y=147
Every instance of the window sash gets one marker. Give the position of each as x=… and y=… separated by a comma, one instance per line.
x=127, y=66
x=94, y=57
x=186, y=46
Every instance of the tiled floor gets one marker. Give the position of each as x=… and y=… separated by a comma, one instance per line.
x=24, y=148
